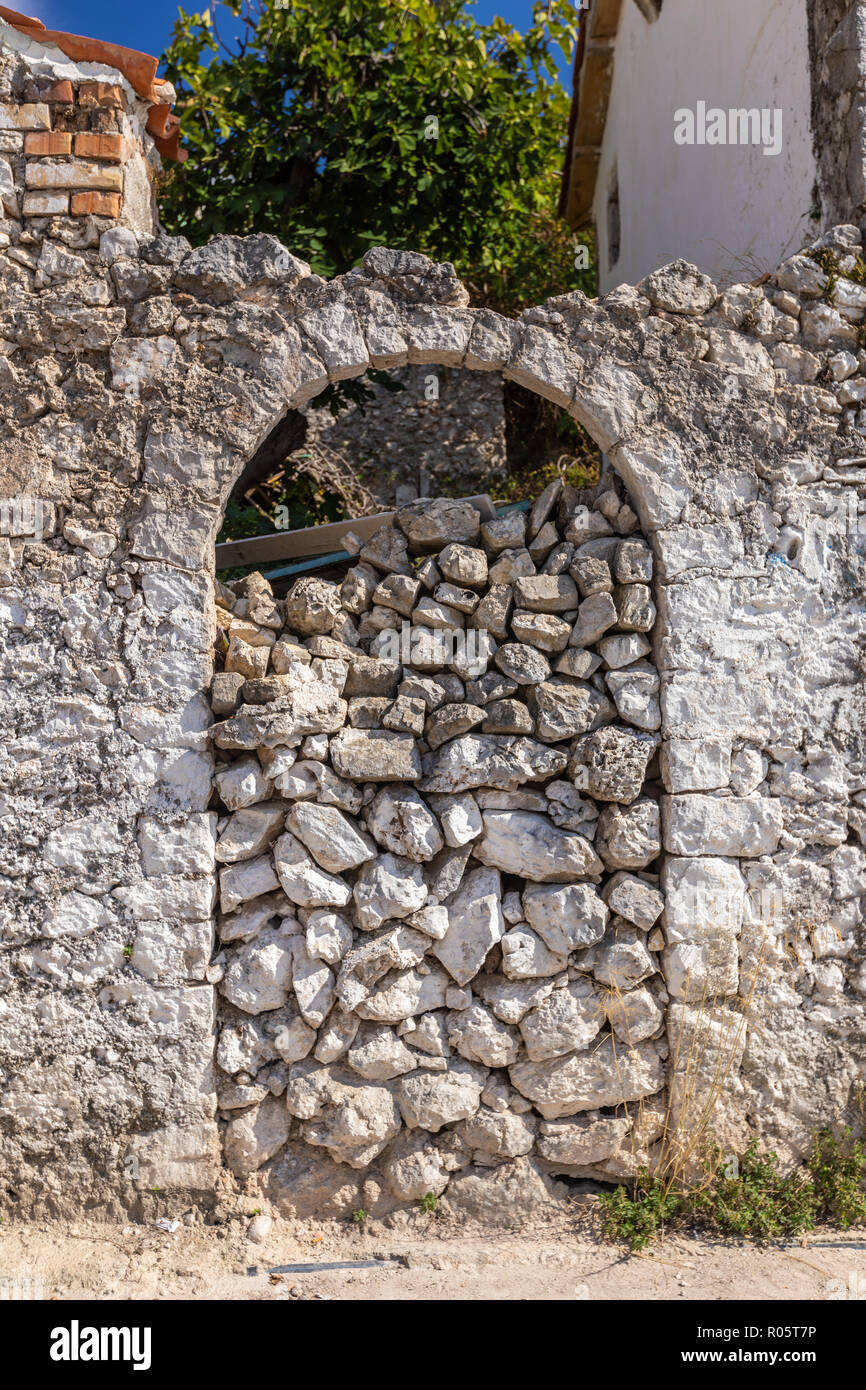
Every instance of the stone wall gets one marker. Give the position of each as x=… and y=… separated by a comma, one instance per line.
x=439, y=895
x=837, y=60
x=137, y=376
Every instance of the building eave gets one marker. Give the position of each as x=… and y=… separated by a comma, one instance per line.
x=591, y=85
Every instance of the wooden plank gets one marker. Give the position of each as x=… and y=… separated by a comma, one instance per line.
x=316, y=540
x=604, y=19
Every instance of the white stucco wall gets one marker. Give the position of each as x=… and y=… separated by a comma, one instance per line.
x=731, y=209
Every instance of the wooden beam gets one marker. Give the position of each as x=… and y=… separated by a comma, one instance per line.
x=317, y=540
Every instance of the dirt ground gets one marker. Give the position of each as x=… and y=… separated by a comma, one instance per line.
x=90, y=1261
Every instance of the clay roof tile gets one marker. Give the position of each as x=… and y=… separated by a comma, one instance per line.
x=139, y=69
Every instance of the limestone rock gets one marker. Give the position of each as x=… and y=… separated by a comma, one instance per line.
x=428, y=1100
x=505, y=533
x=250, y=879
x=417, y=1164
x=598, y=1077
x=569, y=810
x=377, y=1054
x=311, y=605
x=331, y=838
x=564, y=709
x=366, y=963
x=542, y=631
x=735, y=826
x=634, y=1015
x=635, y=694
x=242, y=783
x=352, y=1119
x=369, y=675
x=634, y=899
x=582, y=1141
x=255, y=1136
x=566, y=1021
x=611, y=762
x=679, y=288
x=459, y=818
x=328, y=935
x=399, y=819
x=313, y=984
x=386, y=550
x=250, y=831
x=405, y=994
x=488, y=760
x=497, y=1134
x=511, y=1000
x=450, y=721
x=526, y=957
x=303, y=881
x=390, y=886
x=431, y=524
x=479, y=1036
x=475, y=924
x=544, y=853
x=522, y=663
x=373, y=755
x=336, y=1035
x=259, y=975
x=463, y=565
x=594, y=616
x=629, y=837
x=566, y=917
x=514, y=1191
x=546, y=593
x=312, y=779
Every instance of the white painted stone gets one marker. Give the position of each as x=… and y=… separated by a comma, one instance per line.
x=745, y=826
x=695, y=765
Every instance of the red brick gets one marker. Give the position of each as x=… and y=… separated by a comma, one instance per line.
x=92, y=146
x=101, y=94
x=47, y=142
x=59, y=93
x=98, y=204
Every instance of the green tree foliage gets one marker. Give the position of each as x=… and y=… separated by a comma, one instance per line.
x=344, y=124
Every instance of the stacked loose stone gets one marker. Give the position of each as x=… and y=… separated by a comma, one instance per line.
x=438, y=932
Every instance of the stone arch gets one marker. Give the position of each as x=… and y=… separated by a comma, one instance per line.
x=399, y=308
x=169, y=387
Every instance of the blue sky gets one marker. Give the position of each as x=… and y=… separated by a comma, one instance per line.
x=148, y=26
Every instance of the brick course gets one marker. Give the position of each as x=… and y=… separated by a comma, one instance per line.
x=96, y=204
x=74, y=176
x=42, y=142
x=93, y=146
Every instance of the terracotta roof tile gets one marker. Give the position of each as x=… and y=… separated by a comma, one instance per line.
x=139, y=69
